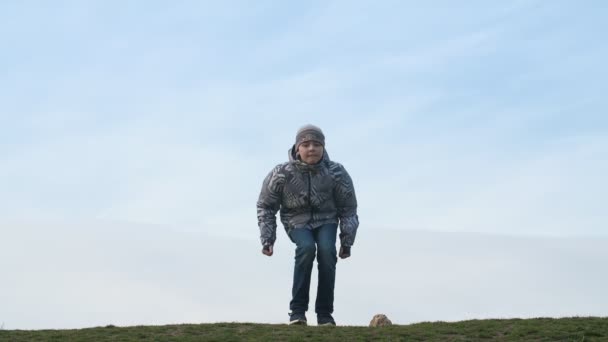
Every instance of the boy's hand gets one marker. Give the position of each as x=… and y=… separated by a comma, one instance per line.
x=344, y=252
x=267, y=250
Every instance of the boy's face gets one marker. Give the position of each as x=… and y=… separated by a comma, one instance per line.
x=310, y=152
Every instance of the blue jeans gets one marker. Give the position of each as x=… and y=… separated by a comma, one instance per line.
x=322, y=241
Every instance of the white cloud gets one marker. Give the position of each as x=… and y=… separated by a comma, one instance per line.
x=161, y=136
x=94, y=273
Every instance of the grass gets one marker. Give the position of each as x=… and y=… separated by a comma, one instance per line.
x=537, y=329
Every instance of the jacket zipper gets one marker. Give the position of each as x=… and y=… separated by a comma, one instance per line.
x=310, y=195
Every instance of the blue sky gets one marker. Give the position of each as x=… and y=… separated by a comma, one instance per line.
x=478, y=117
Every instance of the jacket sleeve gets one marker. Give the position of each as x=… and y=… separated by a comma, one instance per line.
x=269, y=204
x=346, y=204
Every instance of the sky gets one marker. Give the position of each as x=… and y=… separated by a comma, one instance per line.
x=473, y=118
x=65, y=276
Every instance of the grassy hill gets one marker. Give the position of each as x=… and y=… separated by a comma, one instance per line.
x=538, y=329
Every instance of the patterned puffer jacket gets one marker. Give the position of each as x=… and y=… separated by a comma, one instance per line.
x=308, y=196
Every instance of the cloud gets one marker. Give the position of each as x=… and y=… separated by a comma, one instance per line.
x=440, y=127
x=467, y=186
x=110, y=272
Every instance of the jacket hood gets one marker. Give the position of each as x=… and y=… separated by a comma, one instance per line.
x=292, y=158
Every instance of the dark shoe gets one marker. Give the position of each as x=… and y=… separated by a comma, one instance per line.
x=325, y=319
x=297, y=318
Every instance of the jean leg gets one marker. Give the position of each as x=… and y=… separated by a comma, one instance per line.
x=304, y=258
x=327, y=258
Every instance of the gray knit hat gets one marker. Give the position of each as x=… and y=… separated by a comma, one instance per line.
x=309, y=133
